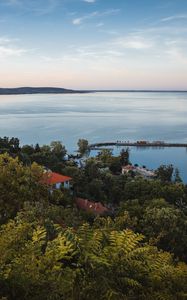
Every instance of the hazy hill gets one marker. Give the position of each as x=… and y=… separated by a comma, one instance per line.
x=36, y=90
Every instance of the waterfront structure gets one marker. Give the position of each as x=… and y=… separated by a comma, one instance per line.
x=127, y=169
x=143, y=172
x=99, y=146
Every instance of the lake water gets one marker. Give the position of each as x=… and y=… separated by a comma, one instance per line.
x=101, y=117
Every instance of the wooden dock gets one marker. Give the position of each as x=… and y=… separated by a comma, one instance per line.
x=97, y=146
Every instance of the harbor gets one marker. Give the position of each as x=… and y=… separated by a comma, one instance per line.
x=159, y=144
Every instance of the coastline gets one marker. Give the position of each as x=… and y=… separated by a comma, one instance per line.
x=38, y=90
x=58, y=91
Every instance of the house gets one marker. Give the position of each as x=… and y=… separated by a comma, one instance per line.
x=128, y=169
x=143, y=172
x=95, y=208
x=56, y=180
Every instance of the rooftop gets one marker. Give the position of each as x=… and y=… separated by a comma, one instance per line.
x=51, y=178
x=96, y=208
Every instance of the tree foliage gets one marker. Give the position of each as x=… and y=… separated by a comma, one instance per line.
x=163, y=224
x=17, y=185
x=82, y=146
x=87, y=264
x=51, y=250
x=164, y=173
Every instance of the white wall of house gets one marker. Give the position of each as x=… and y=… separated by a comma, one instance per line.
x=66, y=185
x=58, y=185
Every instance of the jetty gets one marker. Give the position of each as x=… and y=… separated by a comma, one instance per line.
x=158, y=144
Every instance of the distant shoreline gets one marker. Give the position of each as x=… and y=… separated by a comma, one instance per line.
x=54, y=90
x=138, y=91
x=38, y=90
x=141, y=144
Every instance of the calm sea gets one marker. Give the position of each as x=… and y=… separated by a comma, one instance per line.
x=101, y=117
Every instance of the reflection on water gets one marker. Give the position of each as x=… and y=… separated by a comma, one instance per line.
x=101, y=117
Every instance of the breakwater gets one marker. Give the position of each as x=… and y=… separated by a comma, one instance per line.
x=137, y=144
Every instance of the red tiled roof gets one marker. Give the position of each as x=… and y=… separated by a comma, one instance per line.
x=51, y=178
x=93, y=207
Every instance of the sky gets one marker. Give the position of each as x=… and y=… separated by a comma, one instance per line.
x=94, y=44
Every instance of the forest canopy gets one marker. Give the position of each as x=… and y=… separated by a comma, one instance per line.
x=51, y=249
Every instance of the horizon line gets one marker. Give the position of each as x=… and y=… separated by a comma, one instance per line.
x=94, y=90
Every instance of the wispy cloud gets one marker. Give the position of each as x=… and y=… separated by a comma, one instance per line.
x=89, y=54
x=177, y=55
x=100, y=24
x=109, y=32
x=89, y=1
x=112, y=51
x=95, y=14
x=4, y=40
x=134, y=42
x=12, y=2
x=9, y=49
x=153, y=45
x=173, y=18
x=38, y=7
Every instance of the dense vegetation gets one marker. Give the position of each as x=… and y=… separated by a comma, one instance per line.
x=51, y=250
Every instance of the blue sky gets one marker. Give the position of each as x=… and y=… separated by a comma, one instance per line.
x=94, y=44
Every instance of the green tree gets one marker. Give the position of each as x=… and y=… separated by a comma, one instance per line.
x=37, y=148
x=161, y=223
x=17, y=185
x=95, y=190
x=32, y=266
x=115, y=165
x=27, y=149
x=164, y=173
x=105, y=155
x=83, y=146
x=9, y=145
x=166, y=227
x=177, y=178
x=91, y=169
x=58, y=149
x=88, y=263
x=124, y=157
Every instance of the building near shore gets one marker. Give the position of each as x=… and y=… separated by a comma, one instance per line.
x=139, y=171
x=56, y=181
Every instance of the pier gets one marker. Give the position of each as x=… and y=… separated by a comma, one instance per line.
x=158, y=144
